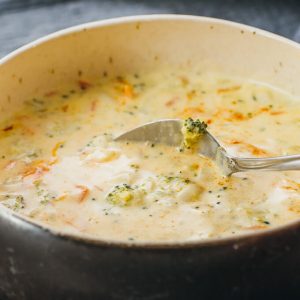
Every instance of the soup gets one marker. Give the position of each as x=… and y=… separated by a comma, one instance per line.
x=62, y=168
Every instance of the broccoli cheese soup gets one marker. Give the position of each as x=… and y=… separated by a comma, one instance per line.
x=62, y=168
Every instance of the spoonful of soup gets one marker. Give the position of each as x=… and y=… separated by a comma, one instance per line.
x=193, y=135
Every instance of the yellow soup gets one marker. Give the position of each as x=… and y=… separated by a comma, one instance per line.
x=61, y=167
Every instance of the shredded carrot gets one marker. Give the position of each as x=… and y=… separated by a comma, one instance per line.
x=8, y=128
x=257, y=151
x=287, y=187
x=230, y=115
x=264, y=109
x=276, y=113
x=184, y=80
x=255, y=227
x=65, y=108
x=35, y=170
x=295, y=208
x=38, y=168
x=190, y=95
x=61, y=197
x=273, y=113
x=84, y=84
x=44, y=168
x=110, y=157
x=229, y=89
x=236, y=116
x=55, y=148
x=191, y=112
x=52, y=162
x=171, y=102
x=51, y=93
x=127, y=90
x=29, y=172
x=293, y=185
x=251, y=148
x=37, y=162
x=84, y=192
x=239, y=116
x=121, y=79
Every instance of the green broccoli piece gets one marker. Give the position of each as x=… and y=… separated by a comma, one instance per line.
x=171, y=179
x=121, y=195
x=19, y=203
x=14, y=202
x=192, y=131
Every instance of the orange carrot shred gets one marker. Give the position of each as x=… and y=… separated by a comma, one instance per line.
x=56, y=147
x=29, y=172
x=84, y=192
x=84, y=84
x=184, y=80
x=52, y=162
x=229, y=89
x=253, y=149
x=276, y=113
x=265, y=109
x=128, y=90
x=39, y=169
x=51, y=93
x=171, y=102
x=65, y=108
x=8, y=128
x=191, y=94
x=256, y=227
x=192, y=111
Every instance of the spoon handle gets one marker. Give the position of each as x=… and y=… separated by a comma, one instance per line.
x=280, y=163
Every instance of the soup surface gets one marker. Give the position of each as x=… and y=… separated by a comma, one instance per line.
x=61, y=167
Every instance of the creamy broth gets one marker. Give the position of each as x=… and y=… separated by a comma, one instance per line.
x=61, y=167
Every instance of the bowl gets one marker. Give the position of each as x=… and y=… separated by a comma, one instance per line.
x=41, y=263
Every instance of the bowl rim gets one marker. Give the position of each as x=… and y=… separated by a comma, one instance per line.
x=26, y=223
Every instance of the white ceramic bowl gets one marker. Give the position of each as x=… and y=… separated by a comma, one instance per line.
x=36, y=263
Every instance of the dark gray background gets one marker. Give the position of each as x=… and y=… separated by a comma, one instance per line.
x=22, y=21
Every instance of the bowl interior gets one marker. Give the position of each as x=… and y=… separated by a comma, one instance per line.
x=133, y=44
x=142, y=43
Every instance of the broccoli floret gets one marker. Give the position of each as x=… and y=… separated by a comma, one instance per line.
x=19, y=203
x=14, y=202
x=172, y=179
x=121, y=195
x=192, y=131
x=171, y=189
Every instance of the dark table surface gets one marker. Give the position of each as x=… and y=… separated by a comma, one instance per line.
x=22, y=21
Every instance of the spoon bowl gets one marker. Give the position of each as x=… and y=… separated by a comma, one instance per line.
x=168, y=131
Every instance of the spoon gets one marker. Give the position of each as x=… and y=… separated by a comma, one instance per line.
x=168, y=131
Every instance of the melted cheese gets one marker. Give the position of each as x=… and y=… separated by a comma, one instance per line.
x=61, y=167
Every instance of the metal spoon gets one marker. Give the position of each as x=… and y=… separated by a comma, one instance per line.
x=168, y=131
